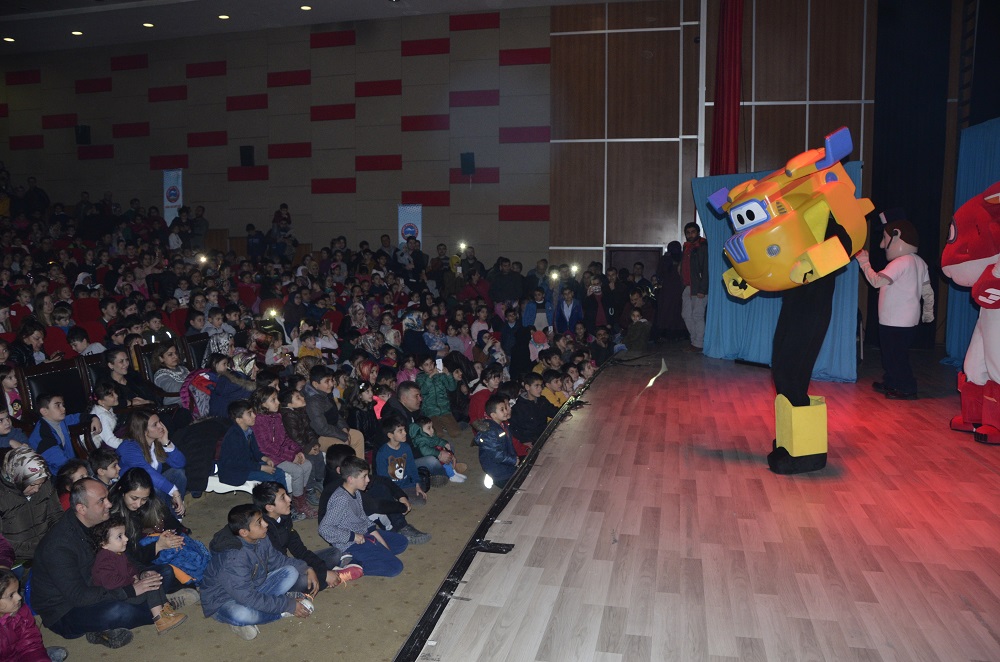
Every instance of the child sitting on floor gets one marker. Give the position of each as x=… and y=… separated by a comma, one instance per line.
x=395, y=459
x=423, y=438
x=496, y=448
x=20, y=638
x=113, y=570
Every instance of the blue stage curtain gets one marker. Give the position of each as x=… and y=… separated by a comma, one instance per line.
x=744, y=329
x=978, y=168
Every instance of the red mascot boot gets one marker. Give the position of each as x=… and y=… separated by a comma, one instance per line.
x=989, y=431
x=972, y=406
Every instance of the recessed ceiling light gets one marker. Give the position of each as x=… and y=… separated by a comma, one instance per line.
x=224, y=17
x=8, y=39
x=147, y=25
x=305, y=8
x=76, y=33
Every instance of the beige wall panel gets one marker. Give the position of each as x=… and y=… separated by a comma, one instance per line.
x=29, y=97
x=332, y=61
x=24, y=123
x=377, y=111
x=523, y=12
x=644, y=15
x=245, y=52
x=62, y=142
x=526, y=80
x=373, y=36
x=424, y=145
x=126, y=108
x=524, y=158
x=689, y=170
x=378, y=139
x=781, y=46
x=425, y=176
x=291, y=172
x=259, y=200
x=524, y=189
x=246, y=80
x=525, y=110
x=290, y=128
x=475, y=45
x=162, y=71
x=131, y=83
x=210, y=190
x=780, y=135
x=643, y=85
x=523, y=241
x=425, y=100
x=55, y=76
x=524, y=32
x=475, y=122
x=248, y=124
x=425, y=70
x=208, y=117
x=208, y=90
x=424, y=27
x=474, y=74
x=332, y=135
x=578, y=18
x=380, y=65
x=825, y=119
x=292, y=56
x=333, y=163
x=99, y=107
x=475, y=200
x=487, y=151
x=689, y=104
x=166, y=141
x=836, y=49
x=211, y=159
x=334, y=213
x=642, y=192
x=131, y=153
x=476, y=230
x=291, y=36
x=382, y=185
x=169, y=115
x=374, y=217
x=50, y=99
x=330, y=90
x=292, y=100
x=578, y=87
x=577, y=194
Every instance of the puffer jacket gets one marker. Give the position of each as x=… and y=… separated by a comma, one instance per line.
x=25, y=522
x=435, y=390
x=296, y=422
x=20, y=640
x=496, y=452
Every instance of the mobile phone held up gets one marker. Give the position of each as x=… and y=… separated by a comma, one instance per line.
x=440, y=365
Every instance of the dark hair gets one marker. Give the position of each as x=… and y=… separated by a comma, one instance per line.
x=491, y=371
x=240, y=517
x=530, y=378
x=551, y=375
x=391, y=423
x=337, y=453
x=690, y=225
x=103, y=388
x=213, y=311
x=353, y=466
x=7, y=577
x=161, y=349
x=493, y=402
x=100, y=531
x=422, y=420
x=77, y=334
x=62, y=481
x=318, y=372
x=107, y=301
x=261, y=394
x=265, y=493
x=266, y=376
x=45, y=399
x=213, y=359
x=102, y=457
x=238, y=408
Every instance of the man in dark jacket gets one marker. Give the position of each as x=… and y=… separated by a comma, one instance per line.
x=694, y=273
x=329, y=566
x=61, y=588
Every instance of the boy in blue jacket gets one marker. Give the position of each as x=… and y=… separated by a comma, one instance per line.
x=248, y=582
x=50, y=438
x=496, y=450
x=240, y=459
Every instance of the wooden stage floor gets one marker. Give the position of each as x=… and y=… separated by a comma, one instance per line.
x=651, y=529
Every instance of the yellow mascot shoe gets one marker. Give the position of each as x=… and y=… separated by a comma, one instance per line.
x=800, y=442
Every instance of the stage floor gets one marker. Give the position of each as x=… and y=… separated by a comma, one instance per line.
x=651, y=529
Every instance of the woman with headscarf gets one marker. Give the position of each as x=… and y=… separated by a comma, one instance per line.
x=356, y=323
x=28, y=503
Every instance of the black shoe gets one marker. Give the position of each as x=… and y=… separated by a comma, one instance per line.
x=893, y=394
x=111, y=638
x=879, y=387
x=196, y=495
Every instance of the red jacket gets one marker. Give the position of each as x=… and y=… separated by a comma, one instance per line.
x=20, y=640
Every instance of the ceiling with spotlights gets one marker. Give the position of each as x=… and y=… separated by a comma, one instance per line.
x=47, y=25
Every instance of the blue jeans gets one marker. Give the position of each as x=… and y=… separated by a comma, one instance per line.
x=376, y=560
x=262, y=476
x=329, y=556
x=100, y=617
x=279, y=582
x=432, y=464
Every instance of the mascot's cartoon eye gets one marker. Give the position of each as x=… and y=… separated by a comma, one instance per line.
x=952, y=233
x=748, y=215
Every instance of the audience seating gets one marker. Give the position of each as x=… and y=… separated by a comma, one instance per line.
x=68, y=379
x=55, y=341
x=195, y=349
x=87, y=310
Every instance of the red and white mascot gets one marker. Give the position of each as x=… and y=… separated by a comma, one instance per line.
x=972, y=259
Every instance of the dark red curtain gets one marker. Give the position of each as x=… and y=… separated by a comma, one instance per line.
x=728, y=80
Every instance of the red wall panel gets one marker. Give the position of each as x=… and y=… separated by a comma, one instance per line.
x=340, y=111
x=27, y=77
x=26, y=142
x=474, y=22
x=425, y=122
x=425, y=47
x=91, y=152
x=92, y=85
x=248, y=174
x=525, y=134
x=474, y=98
x=4, y=111
x=247, y=102
x=379, y=162
x=130, y=130
x=59, y=121
x=517, y=56
x=426, y=198
x=207, y=138
x=523, y=212
x=126, y=62
x=168, y=161
x=205, y=69
x=335, y=185
x=482, y=176
x=168, y=93
x=289, y=78
x=378, y=88
x=289, y=150
x=331, y=39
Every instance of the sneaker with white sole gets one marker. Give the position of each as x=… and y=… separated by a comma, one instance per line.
x=347, y=573
x=457, y=478
x=414, y=535
x=184, y=597
x=246, y=632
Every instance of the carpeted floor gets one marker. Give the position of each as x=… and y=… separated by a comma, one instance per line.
x=368, y=619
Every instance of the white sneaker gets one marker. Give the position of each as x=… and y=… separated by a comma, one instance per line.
x=246, y=632
x=458, y=478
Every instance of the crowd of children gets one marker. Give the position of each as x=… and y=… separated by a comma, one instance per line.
x=345, y=386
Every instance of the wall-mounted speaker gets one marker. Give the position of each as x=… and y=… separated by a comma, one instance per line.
x=82, y=134
x=246, y=156
x=468, y=163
